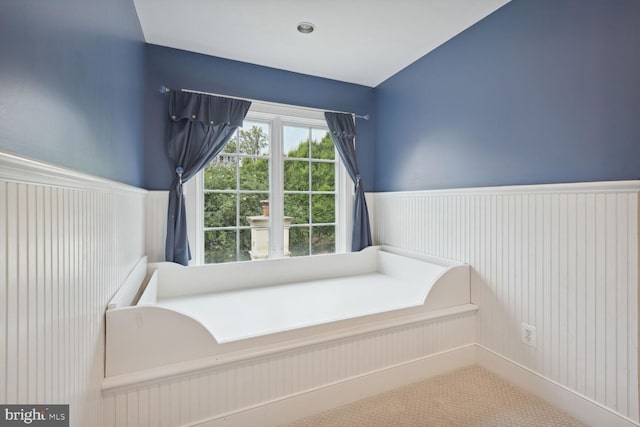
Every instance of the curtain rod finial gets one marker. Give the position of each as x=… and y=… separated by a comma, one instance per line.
x=163, y=89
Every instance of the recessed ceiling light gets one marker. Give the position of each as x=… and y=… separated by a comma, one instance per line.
x=306, y=27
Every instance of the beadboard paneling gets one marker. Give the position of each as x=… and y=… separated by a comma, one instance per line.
x=67, y=240
x=156, y=207
x=563, y=258
x=227, y=389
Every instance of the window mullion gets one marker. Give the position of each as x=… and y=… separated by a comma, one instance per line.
x=310, y=193
x=276, y=204
x=237, y=230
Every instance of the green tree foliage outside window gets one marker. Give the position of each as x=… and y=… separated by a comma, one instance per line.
x=238, y=168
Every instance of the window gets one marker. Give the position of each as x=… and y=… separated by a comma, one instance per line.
x=236, y=183
x=277, y=189
x=309, y=189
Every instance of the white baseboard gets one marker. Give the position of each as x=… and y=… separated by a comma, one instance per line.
x=300, y=405
x=580, y=407
x=303, y=404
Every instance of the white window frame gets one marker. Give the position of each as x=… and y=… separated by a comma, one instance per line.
x=278, y=116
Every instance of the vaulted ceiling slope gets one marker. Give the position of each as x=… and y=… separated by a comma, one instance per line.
x=356, y=41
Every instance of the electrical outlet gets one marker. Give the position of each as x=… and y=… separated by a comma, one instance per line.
x=528, y=335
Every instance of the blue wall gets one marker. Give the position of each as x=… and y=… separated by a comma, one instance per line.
x=541, y=91
x=71, y=82
x=179, y=69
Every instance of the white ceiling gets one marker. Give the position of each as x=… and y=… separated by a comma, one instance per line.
x=356, y=41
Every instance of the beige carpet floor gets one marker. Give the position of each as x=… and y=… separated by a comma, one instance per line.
x=471, y=396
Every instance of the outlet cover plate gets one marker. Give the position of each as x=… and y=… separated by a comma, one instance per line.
x=528, y=335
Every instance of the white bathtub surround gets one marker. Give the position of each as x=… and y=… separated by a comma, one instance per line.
x=68, y=240
x=217, y=309
x=309, y=344
x=562, y=258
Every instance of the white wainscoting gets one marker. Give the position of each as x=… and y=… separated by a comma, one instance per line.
x=215, y=394
x=563, y=258
x=67, y=241
x=156, y=206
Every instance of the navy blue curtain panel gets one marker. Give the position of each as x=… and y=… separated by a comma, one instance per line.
x=343, y=132
x=200, y=127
